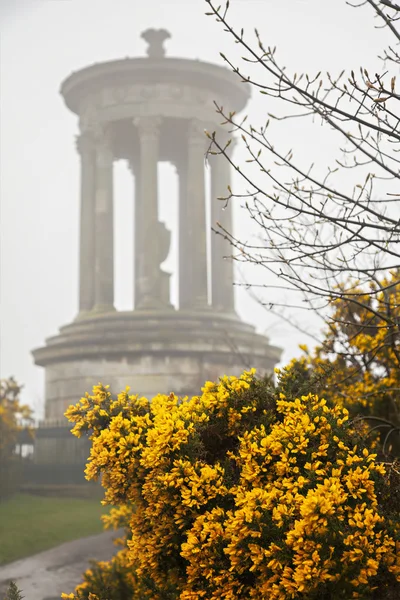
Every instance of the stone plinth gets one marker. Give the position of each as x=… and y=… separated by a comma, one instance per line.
x=153, y=352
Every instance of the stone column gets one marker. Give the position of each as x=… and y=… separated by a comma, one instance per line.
x=104, y=286
x=133, y=165
x=222, y=292
x=86, y=148
x=184, y=270
x=148, y=275
x=193, y=248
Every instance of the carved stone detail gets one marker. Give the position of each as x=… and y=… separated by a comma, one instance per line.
x=138, y=92
x=155, y=39
x=148, y=127
x=88, y=116
x=85, y=143
x=197, y=133
x=104, y=153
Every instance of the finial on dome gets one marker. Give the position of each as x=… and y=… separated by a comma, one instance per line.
x=155, y=39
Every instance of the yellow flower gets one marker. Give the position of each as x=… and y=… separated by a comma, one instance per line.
x=216, y=487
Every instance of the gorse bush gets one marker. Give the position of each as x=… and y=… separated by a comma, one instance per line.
x=357, y=365
x=364, y=350
x=245, y=491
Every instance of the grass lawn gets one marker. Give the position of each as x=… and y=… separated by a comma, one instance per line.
x=30, y=524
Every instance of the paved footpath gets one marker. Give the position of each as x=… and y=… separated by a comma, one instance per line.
x=47, y=574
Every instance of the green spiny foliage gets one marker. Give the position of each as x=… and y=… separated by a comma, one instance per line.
x=13, y=593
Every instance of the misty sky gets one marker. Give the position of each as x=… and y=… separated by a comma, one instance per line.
x=42, y=42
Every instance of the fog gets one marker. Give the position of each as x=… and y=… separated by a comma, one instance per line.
x=42, y=42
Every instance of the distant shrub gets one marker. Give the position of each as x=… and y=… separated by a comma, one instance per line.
x=14, y=417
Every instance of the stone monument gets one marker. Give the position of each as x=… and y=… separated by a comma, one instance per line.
x=145, y=110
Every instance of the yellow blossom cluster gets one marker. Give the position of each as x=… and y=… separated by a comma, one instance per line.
x=358, y=363
x=238, y=493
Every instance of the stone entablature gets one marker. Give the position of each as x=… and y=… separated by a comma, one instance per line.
x=177, y=78
x=143, y=100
